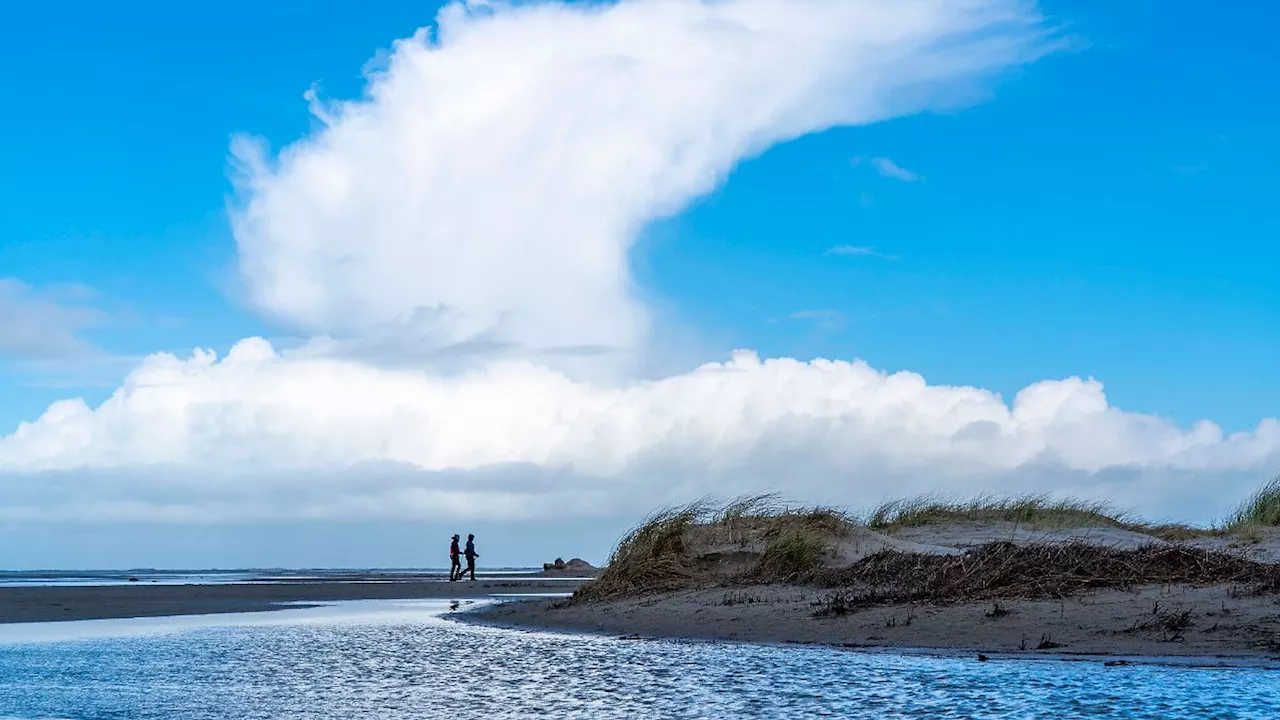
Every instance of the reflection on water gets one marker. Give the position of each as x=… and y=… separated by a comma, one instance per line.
x=400, y=660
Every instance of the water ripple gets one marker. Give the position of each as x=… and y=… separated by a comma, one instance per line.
x=414, y=664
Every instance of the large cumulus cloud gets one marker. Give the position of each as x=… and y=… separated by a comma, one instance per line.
x=483, y=195
x=296, y=434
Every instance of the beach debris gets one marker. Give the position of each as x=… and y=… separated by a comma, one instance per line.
x=739, y=598
x=1053, y=570
x=1170, y=623
x=833, y=605
x=893, y=620
x=1047, y=643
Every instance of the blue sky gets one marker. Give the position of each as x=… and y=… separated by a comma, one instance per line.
x=1107, y=212
x=1110, y=212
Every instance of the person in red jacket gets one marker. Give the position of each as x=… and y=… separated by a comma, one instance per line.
x=455, y=559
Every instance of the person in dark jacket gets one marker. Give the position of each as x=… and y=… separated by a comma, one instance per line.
x=455, y=560
x=471, y=556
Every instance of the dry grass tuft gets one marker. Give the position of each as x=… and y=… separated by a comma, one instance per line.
x=795, y=541
x=1006, y=570
x=1037, y=510
x=1175, y=532
x=656, y=556
x=1031, y=510
x=1261, y=510
x=651, y=557
x=789, y=554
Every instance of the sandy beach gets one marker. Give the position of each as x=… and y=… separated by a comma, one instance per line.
x=1073, y=580
x=1152, y=621
x=56, y=603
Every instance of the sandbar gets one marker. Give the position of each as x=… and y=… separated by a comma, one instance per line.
x=61, y=603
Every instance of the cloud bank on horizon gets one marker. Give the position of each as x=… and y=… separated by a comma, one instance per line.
x=456, y=242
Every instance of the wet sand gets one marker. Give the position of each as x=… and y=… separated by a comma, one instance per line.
x=44, y=604
x=1154, y=621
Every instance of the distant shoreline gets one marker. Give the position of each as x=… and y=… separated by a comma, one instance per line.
x=53, y=603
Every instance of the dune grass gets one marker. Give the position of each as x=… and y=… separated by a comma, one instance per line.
x=1260, y=510
x=1175, y=532
x=795, y=540
x=1038, y=510
x=655, y=556
x=677, y=547
x=651, y=557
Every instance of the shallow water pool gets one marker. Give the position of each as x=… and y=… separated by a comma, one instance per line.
x=402, y=659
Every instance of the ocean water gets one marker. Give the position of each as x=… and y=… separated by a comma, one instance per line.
x=404, y=659
x=50, y=578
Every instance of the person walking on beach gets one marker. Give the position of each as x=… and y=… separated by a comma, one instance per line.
x=455, y=560
x=471, y=554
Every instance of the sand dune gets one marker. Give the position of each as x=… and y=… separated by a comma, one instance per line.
x=817, y=576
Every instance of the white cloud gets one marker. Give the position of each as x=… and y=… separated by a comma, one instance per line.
x=891, y=169
x=859, y=251
x=887, y=168
x=45, y=324
x=856, y=250
x=264, y=434
x=830, y=320
x=479, y=203
x=486, y=190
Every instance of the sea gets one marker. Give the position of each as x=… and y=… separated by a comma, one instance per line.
x=148, y=576
x=424, y=659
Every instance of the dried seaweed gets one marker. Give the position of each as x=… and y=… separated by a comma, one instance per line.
x=1048, y=570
